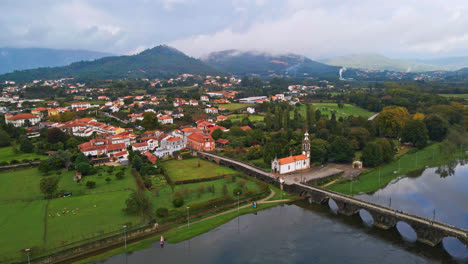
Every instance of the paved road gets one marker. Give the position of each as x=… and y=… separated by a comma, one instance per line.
x=403, y=215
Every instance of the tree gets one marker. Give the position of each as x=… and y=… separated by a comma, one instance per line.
x=268, y=121
x=217, y=134
x=372, y=155
x=90, y=184
x=318, y=150
x=55, y=135
x=137, y=203
x=137, y=162
x=150, y=121
x=341, y=150
x=25, y=145
x=48, y=186
x=224, y=190
x=4, y=139
x=437, y=127
x=178, y=202
x=415, y=131
x=296, y=119
x=391, y=120
x=360, y=134
x=83, y=167
x=108, y=179
x=44, y=166
x=60, y=159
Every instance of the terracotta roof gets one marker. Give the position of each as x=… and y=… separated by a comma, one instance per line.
x=245, y=127
x=138, y=145
x=121, y=153
x=199, y=137
x=222, y=141
x=173, y=139
x=22, y=116
x=291, y=159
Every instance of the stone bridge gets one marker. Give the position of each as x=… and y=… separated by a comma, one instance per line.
x=428, y=231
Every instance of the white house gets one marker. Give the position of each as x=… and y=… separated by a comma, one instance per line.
x=193, y=102
x=168, y=145
x=20, y=119
x=80, y=105
x=250, y=110
x=211, y=110
x=165, y=119
x=204, y=98
x=293, y=163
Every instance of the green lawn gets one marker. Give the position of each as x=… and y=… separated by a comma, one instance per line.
x=327, y=108
x=252, y=118
x=86, y=216
x=8, y=153
x=20, y=185
x=21, y=226
x=165, y=197
x=23, y=209
x=369, y=182
x=234, y=106
x=188, y=169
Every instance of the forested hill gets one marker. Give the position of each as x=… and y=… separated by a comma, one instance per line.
x=243, y=63
x=12, y=59
x=157, y=62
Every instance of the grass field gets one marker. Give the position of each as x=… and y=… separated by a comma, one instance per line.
x=234, y=106
x=165, y=197
x=8, y=153
x=86, y=216
x=24, y=209
x=21, y=226
x=188, y=169
x=370, y=182
x=252, y=118
x=327, y=108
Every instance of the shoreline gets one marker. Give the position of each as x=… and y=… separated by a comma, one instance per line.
x=181, y=232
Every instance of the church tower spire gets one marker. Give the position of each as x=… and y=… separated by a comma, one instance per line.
x=306, y=145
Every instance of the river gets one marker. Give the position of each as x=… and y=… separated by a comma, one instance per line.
x=310, y=233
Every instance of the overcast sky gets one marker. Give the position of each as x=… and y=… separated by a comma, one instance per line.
x=315, y=28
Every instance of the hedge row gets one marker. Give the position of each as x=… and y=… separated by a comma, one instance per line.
x=202, y=179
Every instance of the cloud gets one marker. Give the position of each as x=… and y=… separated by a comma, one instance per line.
x=319, y=28
x=316, y=28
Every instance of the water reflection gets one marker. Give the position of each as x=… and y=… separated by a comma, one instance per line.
x=434, y=193
x=299, y=233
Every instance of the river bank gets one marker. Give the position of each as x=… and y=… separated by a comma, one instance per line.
x=407, y=164
x=183, y=232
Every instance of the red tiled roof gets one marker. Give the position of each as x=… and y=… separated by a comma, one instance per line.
x=222, y=141
x=199, y=137
x=121, y=153
x=142, y=144
x=22, y=116
x=291, y=159
x=245, y=127
x=173, y=139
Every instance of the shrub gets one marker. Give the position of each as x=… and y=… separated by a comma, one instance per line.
x=178, y=202
x=14, y=161
x=3, y=163
x=110, y=169
x=186, y=191
x=90, y=184
x=228, y=178
x=201, y=188
x=241, y=183
x=59, y=173
x=156, y=192
x=25, y=160
x=178, y=194
x=148, y=183
x=162, y=212
x=108, y=179
x=224, y=190
x=237, y=190
x=119, y=175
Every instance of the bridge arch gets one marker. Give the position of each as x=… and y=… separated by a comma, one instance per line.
x=333, y=205
x=455, y=248
x=366, y=217
x=406, y=231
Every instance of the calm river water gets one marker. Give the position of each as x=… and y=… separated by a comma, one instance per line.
x=309, y=233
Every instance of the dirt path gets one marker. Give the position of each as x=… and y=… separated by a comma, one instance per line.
x=332, y=182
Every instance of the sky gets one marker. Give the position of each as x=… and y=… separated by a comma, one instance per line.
x=314, y=28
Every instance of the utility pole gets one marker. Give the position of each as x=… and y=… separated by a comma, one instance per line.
x=188, y=216
x=27, y=251
x=125, y=236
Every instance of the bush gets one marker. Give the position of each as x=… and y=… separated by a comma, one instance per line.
x=148, y=183
x=119, y=175
x=228, y=178
x=162, y=212
x=90, y=184
x=237, y=190
x=25, y=160
x=241, y=183
x=201, y=188
x=108, y=179
x=14, y=161
x=178, y=202
x=224, y=190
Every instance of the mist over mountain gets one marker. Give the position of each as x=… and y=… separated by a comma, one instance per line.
x=251, y=62
x=159, y=61
x=12, y=59
x=382, y=63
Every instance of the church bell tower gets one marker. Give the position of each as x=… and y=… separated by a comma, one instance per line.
x=306, y=145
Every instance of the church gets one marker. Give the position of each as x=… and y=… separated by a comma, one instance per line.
x=293, y=163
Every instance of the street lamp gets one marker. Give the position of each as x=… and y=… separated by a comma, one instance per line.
x=188, y=216
x=27, y=251
x=238, y=201
x=125, y=235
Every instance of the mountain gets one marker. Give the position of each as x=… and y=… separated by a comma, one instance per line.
x=12, y=59
x=451, y=63
x=157, y=62
x=379, y=62
x=250, y=62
